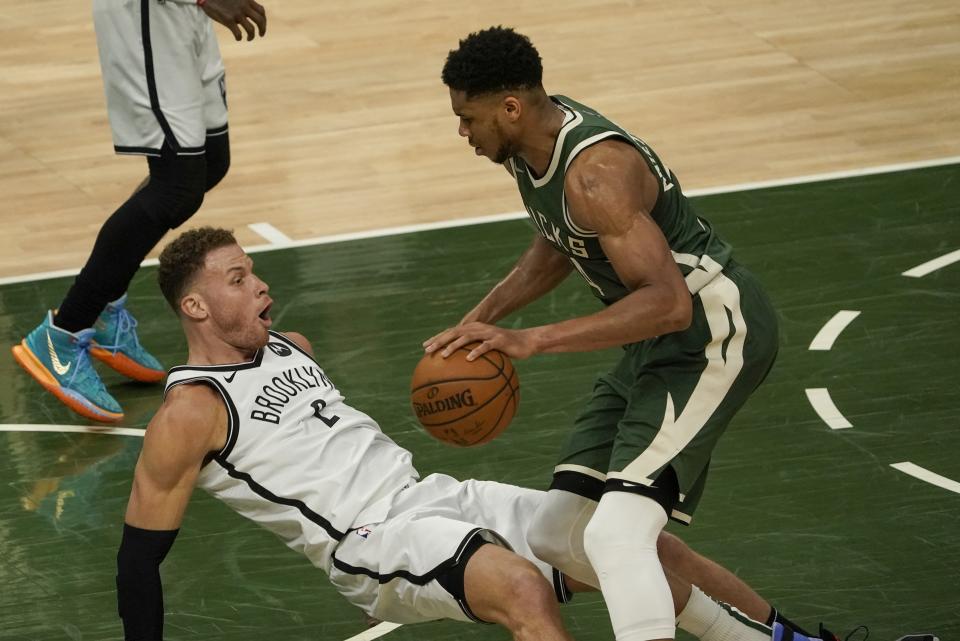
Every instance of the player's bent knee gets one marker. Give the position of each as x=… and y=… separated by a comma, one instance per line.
x=502, y=587
x=528, y=596
x=175, y=190
x=175, y=206
x=623, y=520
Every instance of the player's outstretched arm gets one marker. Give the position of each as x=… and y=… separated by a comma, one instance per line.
x=190, y=424
x=234, y=14
x=538, y=271
x=610, y=190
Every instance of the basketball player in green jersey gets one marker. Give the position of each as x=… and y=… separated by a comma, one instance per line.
x=697, y=330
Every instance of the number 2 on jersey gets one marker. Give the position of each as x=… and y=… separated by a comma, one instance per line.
x=318, y=406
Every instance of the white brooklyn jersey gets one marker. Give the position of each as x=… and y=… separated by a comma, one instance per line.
x=298, y=460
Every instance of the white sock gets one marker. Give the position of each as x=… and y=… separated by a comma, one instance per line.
x=621, y=542
x=708, y=620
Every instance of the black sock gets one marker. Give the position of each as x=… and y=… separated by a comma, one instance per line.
x=777, y=617
x=124, y=240
x=173, y=193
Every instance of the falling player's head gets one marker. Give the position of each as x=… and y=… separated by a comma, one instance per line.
x=208, y=280
x=494, y=77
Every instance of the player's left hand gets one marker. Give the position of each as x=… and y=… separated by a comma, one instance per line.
x=515, y=343
x=234, y=14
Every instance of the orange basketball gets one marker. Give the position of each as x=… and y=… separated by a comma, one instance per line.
x=463, y=402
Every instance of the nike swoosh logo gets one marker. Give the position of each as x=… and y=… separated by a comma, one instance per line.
x=232, y=376
x=59, y=367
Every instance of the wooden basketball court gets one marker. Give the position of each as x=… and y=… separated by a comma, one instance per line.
x=339, y=121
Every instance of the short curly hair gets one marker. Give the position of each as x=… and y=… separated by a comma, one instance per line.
x=183, y=257
x=493, y=60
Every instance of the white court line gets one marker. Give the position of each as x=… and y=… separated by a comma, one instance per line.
x=375, y=632
x=480, y=220
x=81, y=429
x=270, y=233
x=824, y=339
x=823, y=405
x=926, y=475
x=933, y=265
x=832, y=175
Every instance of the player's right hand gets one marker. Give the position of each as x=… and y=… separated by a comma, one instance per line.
x=234, y=14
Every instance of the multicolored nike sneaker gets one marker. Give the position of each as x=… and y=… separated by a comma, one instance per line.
x=60, y=362
x=116, y=344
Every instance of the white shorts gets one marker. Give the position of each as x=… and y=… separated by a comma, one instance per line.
x=389, y=569
x=162, y=74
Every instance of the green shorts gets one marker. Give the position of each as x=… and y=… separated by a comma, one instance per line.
x=668, y=400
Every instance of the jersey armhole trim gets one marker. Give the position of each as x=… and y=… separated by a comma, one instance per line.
x=580, y=146
x=230, y=367
x=292, y=343
x=233, y=416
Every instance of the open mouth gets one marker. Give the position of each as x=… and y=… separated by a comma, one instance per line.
x=265, y=314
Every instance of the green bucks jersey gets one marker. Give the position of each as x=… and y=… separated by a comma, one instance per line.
x=698, y=251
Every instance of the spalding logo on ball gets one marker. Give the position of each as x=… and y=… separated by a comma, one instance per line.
x=463, y=402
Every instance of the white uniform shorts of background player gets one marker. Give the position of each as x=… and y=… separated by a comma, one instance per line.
x=162, y=73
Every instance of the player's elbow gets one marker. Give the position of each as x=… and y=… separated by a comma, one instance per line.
x=679, y=313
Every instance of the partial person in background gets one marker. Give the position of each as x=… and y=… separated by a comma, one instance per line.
x=166, y=98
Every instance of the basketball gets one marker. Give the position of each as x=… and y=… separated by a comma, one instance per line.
x=463, y=402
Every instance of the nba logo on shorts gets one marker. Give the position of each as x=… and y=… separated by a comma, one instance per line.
x=363, y=532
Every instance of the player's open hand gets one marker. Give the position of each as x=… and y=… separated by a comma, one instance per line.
x=515, y=343
x=234, y=14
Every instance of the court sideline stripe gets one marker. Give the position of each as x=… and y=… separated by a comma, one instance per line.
x=825, y=338
x=270, y=233
x=79, y=429
x=926, y=475
x=481, y=220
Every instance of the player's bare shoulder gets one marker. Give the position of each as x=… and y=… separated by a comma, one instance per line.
x=193, y=414
x=301, y=341
x=607, y=184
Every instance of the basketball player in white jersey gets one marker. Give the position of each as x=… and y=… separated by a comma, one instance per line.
x=255, y=421
x=166, y=98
